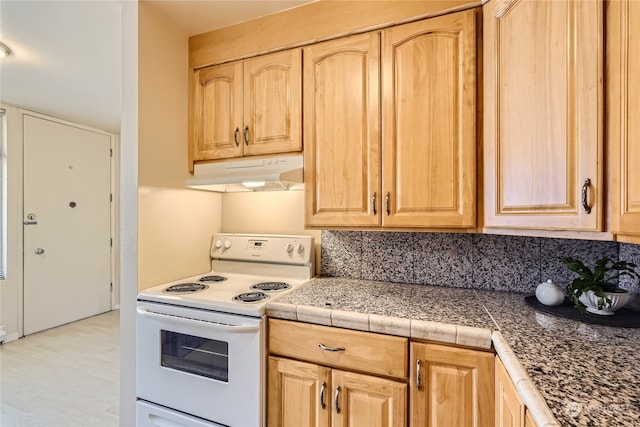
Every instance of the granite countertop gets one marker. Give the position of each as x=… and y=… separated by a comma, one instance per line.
x=568, y=373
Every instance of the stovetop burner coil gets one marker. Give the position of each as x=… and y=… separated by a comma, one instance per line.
x=212, y=279
x=251, y=297
x=271, y=286
x=183, y=288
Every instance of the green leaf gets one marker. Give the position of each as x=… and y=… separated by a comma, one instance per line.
x=604, y=276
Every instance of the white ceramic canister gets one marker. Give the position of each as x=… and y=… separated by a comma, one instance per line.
x=548, y=293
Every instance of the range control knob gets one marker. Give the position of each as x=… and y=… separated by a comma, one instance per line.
x=227, y=244
x=289, y=247
x=218, y=244
x=300, y=248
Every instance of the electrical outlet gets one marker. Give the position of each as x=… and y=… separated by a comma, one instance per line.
x=3, y=332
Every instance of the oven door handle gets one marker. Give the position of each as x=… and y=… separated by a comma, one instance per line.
x=194, y=322
x=160, y=421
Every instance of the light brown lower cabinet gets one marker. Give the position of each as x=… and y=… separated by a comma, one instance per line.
x=528, y=420
x=297, y=393
x=510, y=411
x=306, y=394
x=321, y=376
x=451, y=386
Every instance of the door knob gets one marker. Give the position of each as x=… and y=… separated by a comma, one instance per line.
x=31, y=219
x=39, y=251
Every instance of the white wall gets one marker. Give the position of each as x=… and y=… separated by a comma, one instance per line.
x=11, y=288
x=175, y=224
x=128, y=212
x=174, y=231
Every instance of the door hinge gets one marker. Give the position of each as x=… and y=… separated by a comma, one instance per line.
x=111, y=242
x=111, y=197
x=111, y=287
x=111, y=152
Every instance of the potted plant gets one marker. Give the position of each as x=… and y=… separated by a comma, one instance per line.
x=596, y=290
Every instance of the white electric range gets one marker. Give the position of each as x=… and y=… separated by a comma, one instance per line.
x=200, y=340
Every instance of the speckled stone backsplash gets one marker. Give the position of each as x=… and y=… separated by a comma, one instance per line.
x=481, y=261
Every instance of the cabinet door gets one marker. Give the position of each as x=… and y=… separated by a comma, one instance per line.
x=341, y=132
x=623, y=102
x=543, y=109
x=451, y=386
x=429, y=122
x=272, y=103
x=299, y=394
x=363, y=400
x=510, y=411
x=528, y=420
x=216, y=122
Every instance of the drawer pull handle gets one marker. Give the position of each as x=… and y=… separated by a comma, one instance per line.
x=322, y=404
x=585, y=202
x=324, y=347
x=418, y=375
x=336, y=400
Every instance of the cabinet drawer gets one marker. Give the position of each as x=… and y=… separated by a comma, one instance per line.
x=358, y=351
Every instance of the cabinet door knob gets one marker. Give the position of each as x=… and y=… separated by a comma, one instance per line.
x=245, y=135
x=585, y=190
x=235, y=136
x=322, y=389
x=373, y=204
x=387, y=203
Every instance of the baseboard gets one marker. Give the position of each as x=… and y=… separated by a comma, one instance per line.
x=10, y=337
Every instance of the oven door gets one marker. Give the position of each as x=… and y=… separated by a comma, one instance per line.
x=200, y=362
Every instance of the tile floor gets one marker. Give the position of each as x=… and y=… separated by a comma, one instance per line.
x=63, y=377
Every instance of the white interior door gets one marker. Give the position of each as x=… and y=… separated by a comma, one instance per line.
x=67, y=217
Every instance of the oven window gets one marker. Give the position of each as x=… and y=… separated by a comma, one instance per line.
x=200, y=356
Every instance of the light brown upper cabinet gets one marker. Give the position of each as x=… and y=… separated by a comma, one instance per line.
x=342, y=132
x=543, y=115
x=429, y=80
x=623, y=87
x=246, y=108
x=420, y=171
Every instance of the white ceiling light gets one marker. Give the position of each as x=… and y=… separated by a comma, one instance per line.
x=4, y=50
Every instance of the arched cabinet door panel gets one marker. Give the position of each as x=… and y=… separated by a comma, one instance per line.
x=543, y=114
x=429, y=118
x=341, y=133
x=623, y=106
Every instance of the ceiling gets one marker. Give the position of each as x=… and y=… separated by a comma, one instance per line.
x=65, y=59
x=197, y=17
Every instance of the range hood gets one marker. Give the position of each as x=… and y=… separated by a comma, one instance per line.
x=270, y=174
